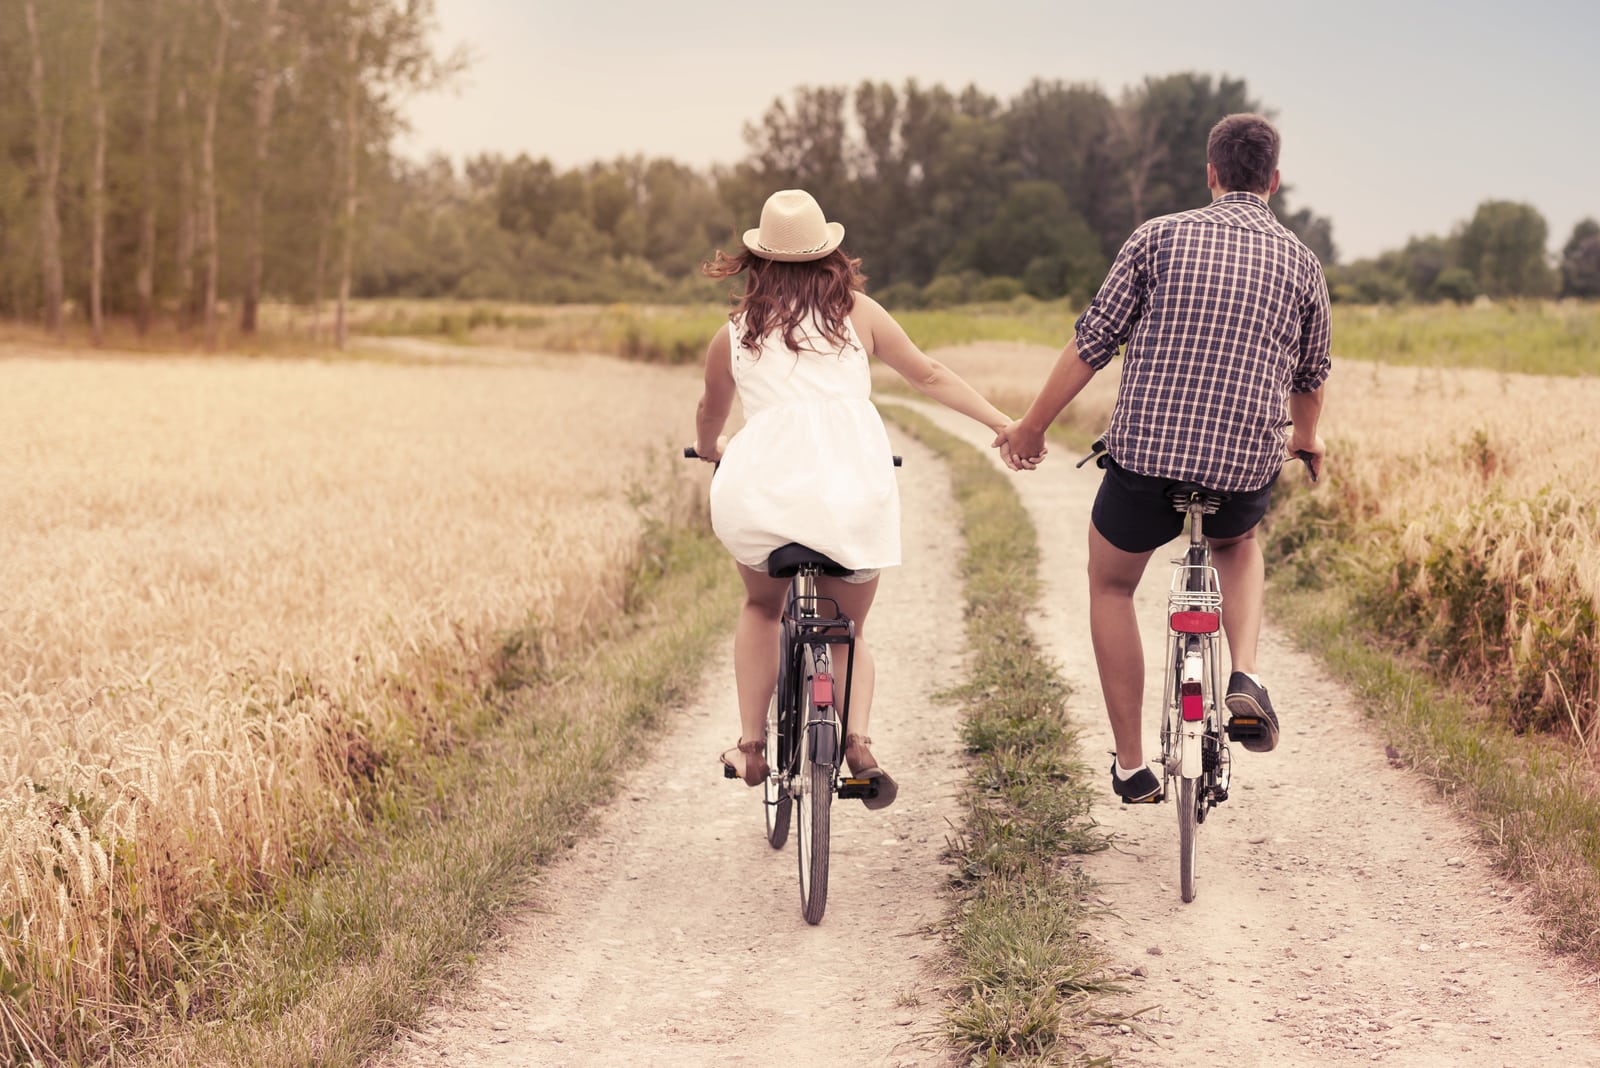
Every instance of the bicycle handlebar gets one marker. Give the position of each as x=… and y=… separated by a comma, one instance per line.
x=1097, y=453
x=689, y=453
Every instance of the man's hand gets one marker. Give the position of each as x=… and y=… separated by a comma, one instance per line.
x=1021, y=448
x=1311, y=450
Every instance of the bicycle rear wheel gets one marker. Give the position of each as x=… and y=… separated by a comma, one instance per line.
x=779, y=805
x=1188, y=834
x=815, y=783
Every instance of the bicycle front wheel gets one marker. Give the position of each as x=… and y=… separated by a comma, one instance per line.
x=779, y=805
x=1188, y=834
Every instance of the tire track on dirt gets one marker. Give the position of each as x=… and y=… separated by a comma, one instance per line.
x=1342, y=915
x=671, y=935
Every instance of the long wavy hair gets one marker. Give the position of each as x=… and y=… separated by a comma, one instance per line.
x=780, y=296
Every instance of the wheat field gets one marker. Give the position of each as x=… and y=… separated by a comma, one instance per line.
x=237, y=590
x=1470, y=494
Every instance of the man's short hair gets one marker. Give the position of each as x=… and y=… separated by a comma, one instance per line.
x=1244, y=150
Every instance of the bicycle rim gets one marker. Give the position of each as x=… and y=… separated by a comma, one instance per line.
x=779, y=805
x=815, y=809
x=1188, y=834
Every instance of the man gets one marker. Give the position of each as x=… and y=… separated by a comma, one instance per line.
x=1224, y=314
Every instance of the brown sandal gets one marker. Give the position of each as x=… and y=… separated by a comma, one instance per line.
x=755, y=762
x=863, y=766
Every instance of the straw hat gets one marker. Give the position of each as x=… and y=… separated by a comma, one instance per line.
x=792, y=229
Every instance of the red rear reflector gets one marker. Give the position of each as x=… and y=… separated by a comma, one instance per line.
x=1195, y=622
x=822, y=690
x=1193, y=704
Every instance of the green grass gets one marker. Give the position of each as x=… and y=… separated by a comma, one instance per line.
x=1027, y=977
x=1533, y=337
x=1532, y=799
x=339, y=961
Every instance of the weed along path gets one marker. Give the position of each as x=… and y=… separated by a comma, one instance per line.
x=671, y=935
x=1342, y=917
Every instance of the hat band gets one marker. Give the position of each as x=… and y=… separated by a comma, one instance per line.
x=793, y=251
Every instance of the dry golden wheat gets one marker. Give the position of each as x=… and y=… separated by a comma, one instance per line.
x=235, y=587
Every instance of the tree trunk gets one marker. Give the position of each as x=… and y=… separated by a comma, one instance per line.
x=145, y=271
x=208, y=174
x=48, y=156
x=352, y=150
x=266, y=93
x=186, y=211
x=97, y=184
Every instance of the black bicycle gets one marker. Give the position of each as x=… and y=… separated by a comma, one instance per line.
x=808, y=719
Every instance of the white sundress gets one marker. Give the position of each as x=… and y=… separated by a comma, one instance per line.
x=812, y=463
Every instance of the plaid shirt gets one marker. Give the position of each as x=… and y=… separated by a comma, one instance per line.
x=1224, y=313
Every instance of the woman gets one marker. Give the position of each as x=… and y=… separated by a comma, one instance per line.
x=796, y=352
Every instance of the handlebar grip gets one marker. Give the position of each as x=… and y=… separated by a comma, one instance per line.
x=1306, y=457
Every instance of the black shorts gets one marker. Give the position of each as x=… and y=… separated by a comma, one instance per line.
x=1132, y=511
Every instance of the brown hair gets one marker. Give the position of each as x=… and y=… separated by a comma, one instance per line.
x=1244, y=150
x=780, y=295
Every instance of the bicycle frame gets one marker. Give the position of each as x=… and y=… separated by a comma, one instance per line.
x=1194, y=670
x=810, y=633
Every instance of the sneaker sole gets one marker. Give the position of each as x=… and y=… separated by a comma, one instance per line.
x=1250, y=724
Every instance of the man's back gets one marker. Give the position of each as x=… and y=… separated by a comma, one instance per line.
x=1223, y=312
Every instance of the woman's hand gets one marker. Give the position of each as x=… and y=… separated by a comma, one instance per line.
x=1020, y=447
x=714, y=453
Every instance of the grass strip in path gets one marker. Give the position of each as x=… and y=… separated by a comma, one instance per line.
x=1027, y=978
x=1534, y=800
x=350, y=955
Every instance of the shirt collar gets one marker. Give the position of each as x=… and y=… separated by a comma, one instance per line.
x=1241, y=197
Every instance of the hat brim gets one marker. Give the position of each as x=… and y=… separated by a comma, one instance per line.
x=752, y=241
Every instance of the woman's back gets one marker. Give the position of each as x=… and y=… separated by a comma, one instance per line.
x=812, y=463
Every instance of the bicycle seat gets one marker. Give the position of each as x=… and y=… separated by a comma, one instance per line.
x=787, y=560
x=1181, y=493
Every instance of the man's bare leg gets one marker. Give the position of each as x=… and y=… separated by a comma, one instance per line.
x=1242, y=574
x=1118, y=652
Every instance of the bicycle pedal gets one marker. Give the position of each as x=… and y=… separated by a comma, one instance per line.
x=728, y=772
x=863, y=789
x=1245, y=729
x=1154, y=799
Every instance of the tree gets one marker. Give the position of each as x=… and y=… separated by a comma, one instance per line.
x=1580, y=261
x=50, y=118
x=1504, y=247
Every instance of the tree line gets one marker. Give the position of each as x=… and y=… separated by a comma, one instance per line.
x=1500, y=253
x=182, y=160
x=945, y=195
x=169, y=154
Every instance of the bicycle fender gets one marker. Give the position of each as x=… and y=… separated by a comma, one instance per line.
x=823, y=743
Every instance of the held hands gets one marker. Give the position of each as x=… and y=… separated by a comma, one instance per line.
x=1021, y=448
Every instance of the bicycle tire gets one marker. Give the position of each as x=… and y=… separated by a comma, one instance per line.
x=816, y=803
x=779, y=805
x=1188, y=835
x=813, y=841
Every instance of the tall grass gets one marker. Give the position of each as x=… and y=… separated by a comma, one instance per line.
x=1530, y=337
x=1461, y=504
x=242, y=596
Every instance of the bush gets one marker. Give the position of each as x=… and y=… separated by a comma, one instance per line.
x=944, y=291
x=1455, y=283
x=998, y=289
x=901, y=296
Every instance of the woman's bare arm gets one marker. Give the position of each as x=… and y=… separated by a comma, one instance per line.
x=887, y=340
x=717, y=400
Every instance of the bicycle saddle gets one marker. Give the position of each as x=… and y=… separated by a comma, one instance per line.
x=787, y=560
x=1181, y=493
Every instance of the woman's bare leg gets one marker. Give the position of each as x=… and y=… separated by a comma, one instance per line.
x=755, y=653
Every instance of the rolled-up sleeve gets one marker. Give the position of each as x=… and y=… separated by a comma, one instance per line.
x=1316, y=337
x=1108, y=321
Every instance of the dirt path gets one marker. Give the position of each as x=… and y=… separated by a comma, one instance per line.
x=1342, y=917
x=672, y=935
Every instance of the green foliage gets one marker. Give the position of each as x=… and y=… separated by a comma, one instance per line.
x=1533, y=337
x=1580, y=261
x=1504, y=247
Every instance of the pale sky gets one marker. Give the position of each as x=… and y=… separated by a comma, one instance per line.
x=1398, y=117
